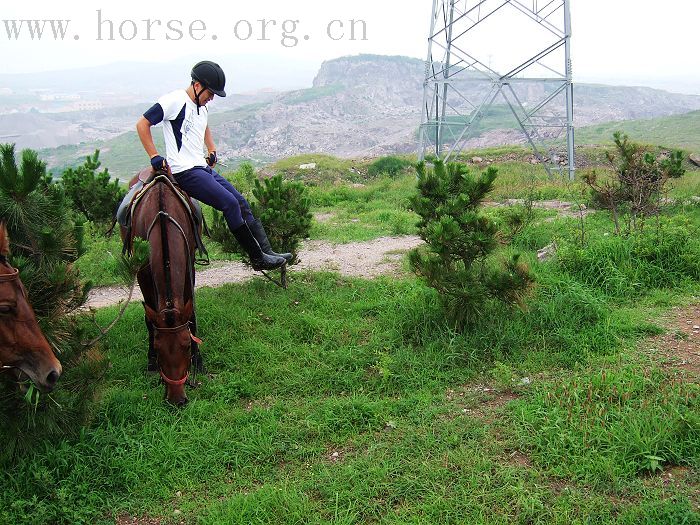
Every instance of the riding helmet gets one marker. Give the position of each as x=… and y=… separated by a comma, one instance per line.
x=211, y=76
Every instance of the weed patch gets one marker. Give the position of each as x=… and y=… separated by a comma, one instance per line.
x=608, y=426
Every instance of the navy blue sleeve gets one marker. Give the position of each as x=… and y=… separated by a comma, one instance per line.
x=154, y=115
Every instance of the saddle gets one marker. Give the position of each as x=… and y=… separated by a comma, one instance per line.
x=146, y=179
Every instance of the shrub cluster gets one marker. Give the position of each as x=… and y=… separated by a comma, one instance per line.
x=283, y=208
x=91, y=192
x=390, y=165
x=458, y=259
x=46, y=239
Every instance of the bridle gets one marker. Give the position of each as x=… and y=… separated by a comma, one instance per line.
x=174, y=330
x=8, y=278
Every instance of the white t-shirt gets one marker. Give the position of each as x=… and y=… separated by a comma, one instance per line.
x=183, y=129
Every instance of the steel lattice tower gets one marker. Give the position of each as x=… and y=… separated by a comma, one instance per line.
x=462, y=86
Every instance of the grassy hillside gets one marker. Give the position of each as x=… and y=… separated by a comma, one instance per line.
x=677, y=131
x=123, y=155
x=352, y=401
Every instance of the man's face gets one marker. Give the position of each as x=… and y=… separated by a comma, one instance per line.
x=205, y=96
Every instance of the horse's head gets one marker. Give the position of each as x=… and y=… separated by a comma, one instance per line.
x=172, y=343
x=23, y=346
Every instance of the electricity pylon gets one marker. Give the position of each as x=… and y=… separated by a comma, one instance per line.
x=464, y=89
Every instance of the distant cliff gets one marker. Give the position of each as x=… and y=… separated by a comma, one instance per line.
x=370, y=105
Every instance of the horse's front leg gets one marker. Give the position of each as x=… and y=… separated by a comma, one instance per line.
x=146, y=285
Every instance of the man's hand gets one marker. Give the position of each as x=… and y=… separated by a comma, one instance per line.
x=211, y=159
x=159, y=163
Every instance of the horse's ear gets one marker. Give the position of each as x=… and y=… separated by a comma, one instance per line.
x=151, y=314
x=187, y=310
x=4, y=240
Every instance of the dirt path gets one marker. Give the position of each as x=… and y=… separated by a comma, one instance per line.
x=356, y=259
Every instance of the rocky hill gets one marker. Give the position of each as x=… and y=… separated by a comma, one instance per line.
x=365, y=105
x=369, y=105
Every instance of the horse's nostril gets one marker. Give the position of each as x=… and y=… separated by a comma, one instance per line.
x=52, y=378
x=182, y=402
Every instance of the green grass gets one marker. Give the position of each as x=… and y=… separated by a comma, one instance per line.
x=362, y=369
x=364, y=212
x=608, y=425
x=677, y=131
x=328, y=169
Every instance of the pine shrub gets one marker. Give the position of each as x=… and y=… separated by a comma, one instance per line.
x=284, y=210
x=458, y=259
x=45, y=241
x=91, y=192
x=636, y=189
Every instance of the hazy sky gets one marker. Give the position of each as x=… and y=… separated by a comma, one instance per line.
x=615, y=41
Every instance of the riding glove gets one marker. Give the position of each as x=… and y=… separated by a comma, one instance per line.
x=211, y=159
x=159, y=163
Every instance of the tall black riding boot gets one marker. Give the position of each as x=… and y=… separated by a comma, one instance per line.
x=259, y=233
x=258, y=259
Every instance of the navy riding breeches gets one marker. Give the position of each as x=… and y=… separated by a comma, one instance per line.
x=207, y=186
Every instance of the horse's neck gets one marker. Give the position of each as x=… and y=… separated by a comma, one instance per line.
x=175, y=278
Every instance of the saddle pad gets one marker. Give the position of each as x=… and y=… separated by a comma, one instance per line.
x=124, y=215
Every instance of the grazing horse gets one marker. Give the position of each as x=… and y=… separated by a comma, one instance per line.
x=161, y=216
x=23, y=347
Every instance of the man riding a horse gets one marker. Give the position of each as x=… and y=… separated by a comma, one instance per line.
x=161, y=215
x=184, y=116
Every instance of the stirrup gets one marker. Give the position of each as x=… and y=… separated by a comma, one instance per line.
x=282, y=283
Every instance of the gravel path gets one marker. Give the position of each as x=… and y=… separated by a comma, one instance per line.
x=356, y=259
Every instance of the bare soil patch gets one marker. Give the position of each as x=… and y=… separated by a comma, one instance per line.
x=479, y=401
x=679, y=347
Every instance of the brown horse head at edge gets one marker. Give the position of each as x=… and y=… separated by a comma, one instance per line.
x=23, y=347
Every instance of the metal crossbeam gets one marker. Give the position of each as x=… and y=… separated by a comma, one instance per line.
x=461, y=86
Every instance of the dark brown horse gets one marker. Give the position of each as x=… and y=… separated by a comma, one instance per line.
x=23, y=347
x=167, y=282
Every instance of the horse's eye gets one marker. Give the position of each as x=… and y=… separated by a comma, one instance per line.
x=6, y=309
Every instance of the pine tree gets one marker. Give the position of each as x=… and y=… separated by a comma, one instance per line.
x=636, y=189
x=45, y=241
x=45, y=237
x=457, y=260
x=91, y=192
x=282, y=207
